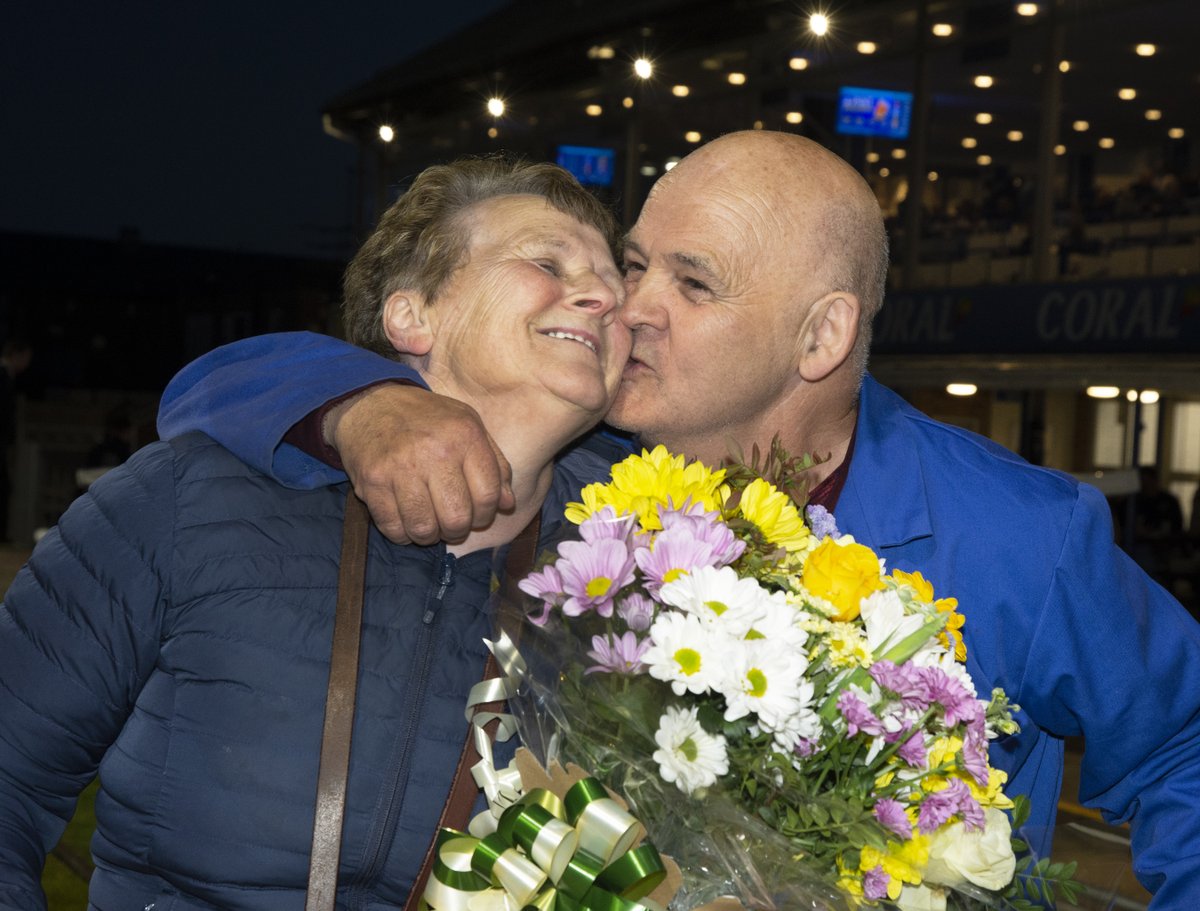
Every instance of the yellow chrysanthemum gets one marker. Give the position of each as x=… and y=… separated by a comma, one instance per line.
x=950, y=637
x=641, y=484
x=993, y=795
x=776, y=516
x=847, y=646
x=902, y=862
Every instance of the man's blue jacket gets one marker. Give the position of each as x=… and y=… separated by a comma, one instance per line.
x=1056, y=614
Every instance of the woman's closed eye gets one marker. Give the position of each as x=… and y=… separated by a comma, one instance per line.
x=550, y=267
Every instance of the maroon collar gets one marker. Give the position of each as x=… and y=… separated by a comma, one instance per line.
x=827, y=492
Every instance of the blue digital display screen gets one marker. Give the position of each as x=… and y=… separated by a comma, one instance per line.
x=874, y=112
x=590, y=165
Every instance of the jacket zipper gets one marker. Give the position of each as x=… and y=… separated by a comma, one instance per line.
x=384, y=833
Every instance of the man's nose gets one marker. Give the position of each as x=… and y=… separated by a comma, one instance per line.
x=642, y=306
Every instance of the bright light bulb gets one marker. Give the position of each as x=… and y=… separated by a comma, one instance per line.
x=495, y=107
x=1080, y=126
x=1153, y=114
x=1060, y=149
x=386, y=133
x=1064, y=66
x=1107, y=143
x=798, y=63
x=969, y=142
x=691, y=136
x=1148, y=396
x=626, y=102
x=1015, y=135
x=962, y=388
x=885, y=172
x=867, y=47
x=983, y=118
x=1027, y=9
x=594, y=110
x=1127, y=94
x=818, y=24
x=984, y=81
x=933, y=175
x=643, y=68
x=983, y=160
x=1146, y=50
x=736, y=78
x=899, y=153
x=680, y=91
x=1175, y=132
x=943, y=29
x=794, y=117
x=1103, y=392
x=872, y=157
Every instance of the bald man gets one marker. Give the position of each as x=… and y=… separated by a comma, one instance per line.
x=752, y=277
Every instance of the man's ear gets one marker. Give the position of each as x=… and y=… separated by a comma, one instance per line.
x=828, y=335
x=406, y=323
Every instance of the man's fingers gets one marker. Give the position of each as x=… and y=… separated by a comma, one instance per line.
x=506, y=500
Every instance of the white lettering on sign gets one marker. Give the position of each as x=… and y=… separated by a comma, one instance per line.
x=1107, y=314
x=926, y=319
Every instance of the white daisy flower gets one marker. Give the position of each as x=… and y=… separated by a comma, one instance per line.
x=685, y=653
x=717, y=596
x=688, y=756
x=764, y=680
x=780, y=625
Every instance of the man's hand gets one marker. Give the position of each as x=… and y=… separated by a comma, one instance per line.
x=423, y=463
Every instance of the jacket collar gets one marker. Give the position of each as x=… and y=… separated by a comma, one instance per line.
x=885, y=502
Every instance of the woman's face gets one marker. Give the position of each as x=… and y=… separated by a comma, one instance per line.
x=531, y=311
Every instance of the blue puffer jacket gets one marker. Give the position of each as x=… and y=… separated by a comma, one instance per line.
x=174, y=631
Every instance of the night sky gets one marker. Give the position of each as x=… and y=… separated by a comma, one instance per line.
x=197, y=122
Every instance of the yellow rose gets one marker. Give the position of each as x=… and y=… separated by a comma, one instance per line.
x=842, y=574
x=984, y=859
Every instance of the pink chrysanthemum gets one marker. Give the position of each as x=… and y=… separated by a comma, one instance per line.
x=618, y=654
x=547, y=585
x=592, y=575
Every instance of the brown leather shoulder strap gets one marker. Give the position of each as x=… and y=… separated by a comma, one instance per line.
x=339, y=710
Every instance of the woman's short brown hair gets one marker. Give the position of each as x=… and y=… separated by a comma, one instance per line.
x=422, y=237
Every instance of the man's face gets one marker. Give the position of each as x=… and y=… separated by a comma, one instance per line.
x=531, y=309
x=715, y=293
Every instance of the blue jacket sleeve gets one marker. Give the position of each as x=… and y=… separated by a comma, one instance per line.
x=248, y=394
x=1117, y=659
x=79, y=633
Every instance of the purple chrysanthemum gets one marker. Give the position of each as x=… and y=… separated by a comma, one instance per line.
x=606, y=524
x=974, y=754
x=905, y=681
x=912, y=750
x=706, y=527
x=858, y=715
x=804, y=748
x=547, y=585
x=592, y=575
x=875, y=883
x=675, y=553
x=949, y=692
x=890, y=814
x=822, y=523
x=938, y=807
x=618, y=654
x=636, y=610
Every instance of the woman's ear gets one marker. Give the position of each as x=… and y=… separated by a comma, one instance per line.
x=828, y=336
x=406, y=323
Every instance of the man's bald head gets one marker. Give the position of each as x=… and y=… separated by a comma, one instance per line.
x=823, y=209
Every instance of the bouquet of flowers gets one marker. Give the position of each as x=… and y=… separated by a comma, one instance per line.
x=791, y=721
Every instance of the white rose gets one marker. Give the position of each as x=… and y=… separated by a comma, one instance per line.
x=985, y=858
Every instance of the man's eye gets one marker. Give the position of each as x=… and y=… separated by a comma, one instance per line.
x=695, y=284
x=631, y=267
x=550, y=267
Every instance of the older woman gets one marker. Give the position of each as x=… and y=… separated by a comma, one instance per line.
x=173, y=631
